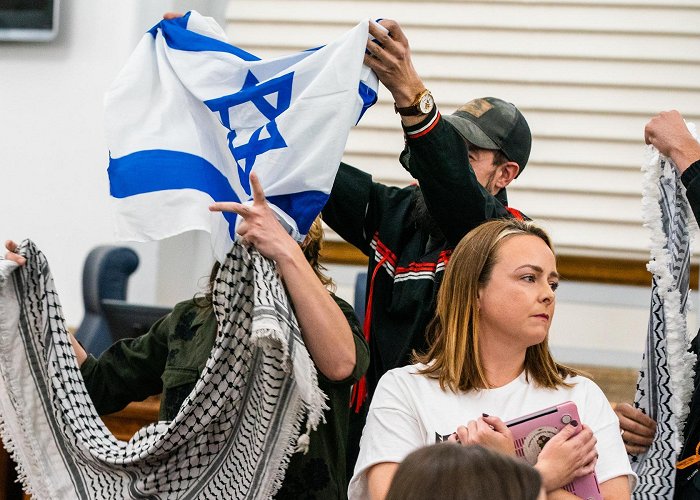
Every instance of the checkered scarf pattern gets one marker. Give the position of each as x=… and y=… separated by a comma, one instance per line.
x=233, y=435
x=665, y=383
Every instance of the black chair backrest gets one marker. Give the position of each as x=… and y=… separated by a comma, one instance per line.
x=127, y=320
x=105, y=276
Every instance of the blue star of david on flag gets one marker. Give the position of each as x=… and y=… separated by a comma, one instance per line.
x=254, y=92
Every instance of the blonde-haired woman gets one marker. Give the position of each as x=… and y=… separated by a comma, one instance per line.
x=489, y=362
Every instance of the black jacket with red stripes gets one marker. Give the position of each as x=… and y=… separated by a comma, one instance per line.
x=377, y=219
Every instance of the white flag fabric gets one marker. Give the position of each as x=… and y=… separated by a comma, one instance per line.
x=190, y=117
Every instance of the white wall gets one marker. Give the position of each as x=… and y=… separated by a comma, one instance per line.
x=53, y=157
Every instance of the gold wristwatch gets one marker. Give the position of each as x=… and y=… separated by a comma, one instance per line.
x=422, y=105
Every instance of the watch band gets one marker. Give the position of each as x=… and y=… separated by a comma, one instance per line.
x=415, y=108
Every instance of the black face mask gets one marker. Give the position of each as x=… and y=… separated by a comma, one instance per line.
x=421, y=218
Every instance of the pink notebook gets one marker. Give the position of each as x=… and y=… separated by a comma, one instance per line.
x=532, y=432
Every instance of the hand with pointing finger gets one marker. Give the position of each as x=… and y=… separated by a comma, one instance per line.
x=260, y=226
x=325, y=329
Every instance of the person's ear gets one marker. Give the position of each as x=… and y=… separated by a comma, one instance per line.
x=506, y=173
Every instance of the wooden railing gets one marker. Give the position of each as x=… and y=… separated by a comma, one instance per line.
x=125, y=423
x=571, y=267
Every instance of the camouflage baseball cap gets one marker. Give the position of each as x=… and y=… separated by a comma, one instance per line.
x=492, y=123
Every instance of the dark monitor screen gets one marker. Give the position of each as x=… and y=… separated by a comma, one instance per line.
x=28, y=20
x=127, y=320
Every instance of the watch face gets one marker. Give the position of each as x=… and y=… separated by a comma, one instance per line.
x=426, y=103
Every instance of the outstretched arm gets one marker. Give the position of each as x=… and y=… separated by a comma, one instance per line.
x=323, y=325
x=439, y=156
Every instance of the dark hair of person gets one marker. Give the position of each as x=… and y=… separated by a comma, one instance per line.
x=312, y=246
x=499, y=157
x=454, y=472
x=453, y=356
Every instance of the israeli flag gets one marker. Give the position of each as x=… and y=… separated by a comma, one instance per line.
x=190, y=117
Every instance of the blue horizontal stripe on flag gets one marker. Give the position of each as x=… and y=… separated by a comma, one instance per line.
x=160, y=170
x=303, y=207
x=178, y=37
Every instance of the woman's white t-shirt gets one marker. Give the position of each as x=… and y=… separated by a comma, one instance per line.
x=410, y=410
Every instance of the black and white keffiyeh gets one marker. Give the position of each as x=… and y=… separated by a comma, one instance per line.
x=233, y=435
x=665, y=382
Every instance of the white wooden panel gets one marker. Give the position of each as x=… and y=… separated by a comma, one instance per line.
x=582, y=237
x=375, y=141
x=600, y=329
x=571, y=178
x=606, y=100
x=597, y=126
x=504, y=15
x=479, y=41
x=559, y=71
x=382, y=168
x=586, y=152
x=577, y=206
